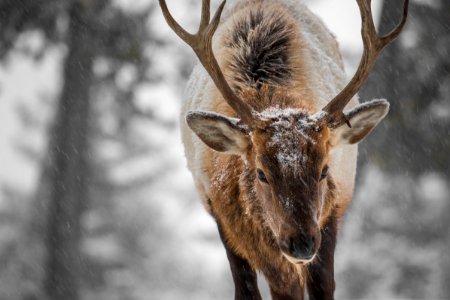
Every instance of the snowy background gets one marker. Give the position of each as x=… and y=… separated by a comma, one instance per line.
x=138, y=230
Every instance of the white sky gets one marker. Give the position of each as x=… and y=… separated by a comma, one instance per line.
x=24, y=80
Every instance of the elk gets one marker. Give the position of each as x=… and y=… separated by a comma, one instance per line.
x=273, y=159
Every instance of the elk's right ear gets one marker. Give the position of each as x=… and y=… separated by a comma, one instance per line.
x=221, y=133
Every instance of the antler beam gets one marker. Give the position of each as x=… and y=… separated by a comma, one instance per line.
x=201, y=43
x=373, y=45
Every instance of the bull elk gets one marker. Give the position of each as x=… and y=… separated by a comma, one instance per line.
x=273, y=159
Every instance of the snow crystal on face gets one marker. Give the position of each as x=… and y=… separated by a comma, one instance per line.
x=219, y=180
x=318, y=116
x=287, y=202
x=291, y=129
x=288, y=158
x=277, y=113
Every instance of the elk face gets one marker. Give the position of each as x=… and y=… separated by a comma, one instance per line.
x=288, y=157
x=291, y=166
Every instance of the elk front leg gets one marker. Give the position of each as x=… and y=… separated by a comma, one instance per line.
x=320, y=279
x=293, y=293
x=244, y=277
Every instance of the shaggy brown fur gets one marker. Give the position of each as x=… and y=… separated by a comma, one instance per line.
x=264, y=64
x=272, y=172
x=237, y=208
x=277, y=173
x=261, y=49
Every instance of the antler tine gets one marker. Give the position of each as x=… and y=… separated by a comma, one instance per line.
x=183, y=34
x=206, y=10
x=396, y=31
x=201, y=43
x=373, y=44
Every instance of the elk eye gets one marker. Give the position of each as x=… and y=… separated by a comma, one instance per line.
x=261, y=176
x=324, y=173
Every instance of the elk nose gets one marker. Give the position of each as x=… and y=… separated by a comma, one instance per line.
x=301, y=247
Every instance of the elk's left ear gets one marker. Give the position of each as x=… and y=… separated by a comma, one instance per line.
x=363, y=119
x=221, y=133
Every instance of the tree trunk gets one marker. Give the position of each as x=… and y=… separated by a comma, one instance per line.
x=69, y=158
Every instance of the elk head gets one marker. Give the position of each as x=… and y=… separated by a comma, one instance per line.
x=287, y=150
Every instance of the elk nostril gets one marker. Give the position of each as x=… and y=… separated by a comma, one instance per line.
x=302, y=247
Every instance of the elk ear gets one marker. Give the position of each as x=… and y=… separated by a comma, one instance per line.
x=363, y=120
x=221, y=133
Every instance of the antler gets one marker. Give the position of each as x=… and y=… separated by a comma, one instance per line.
x=201, y=43
x=373, y=44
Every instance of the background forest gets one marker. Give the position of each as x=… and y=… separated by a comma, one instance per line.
x=95, y=199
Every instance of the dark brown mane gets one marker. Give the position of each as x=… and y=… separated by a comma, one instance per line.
x=261, y=42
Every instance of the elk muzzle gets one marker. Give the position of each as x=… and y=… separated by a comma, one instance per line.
x=300, y=247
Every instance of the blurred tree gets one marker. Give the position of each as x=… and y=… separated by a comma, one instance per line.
x=93, y=33
x=69, y=150
x=413, y=74
x=403, y=201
